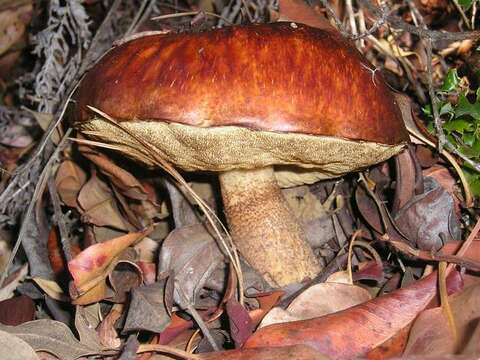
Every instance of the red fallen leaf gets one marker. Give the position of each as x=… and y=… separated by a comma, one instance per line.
x=17, y=310
x=90, y=268
x=370, y=270
x=392, y=348
x=55, y=253
x=374, y=322
x=241, y=326
x=431, y=336
x=175, y=328
x=297, y=352
x=266, y=301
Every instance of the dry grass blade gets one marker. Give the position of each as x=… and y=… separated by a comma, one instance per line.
x=350, y=254
x=442, y=289
x=190, y=13
x=166, y=350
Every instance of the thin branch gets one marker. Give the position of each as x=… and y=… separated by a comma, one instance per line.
x=433, y=35
x=196, y=316
x=335, y=18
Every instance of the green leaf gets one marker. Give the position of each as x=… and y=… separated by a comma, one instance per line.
x=451, y=81
x=473, y=179
x=464, y=107
x=446, y=108
x=459, y=125
x=468, y=139
x=476, y=148
x=427, y=110
x=468, y=151
x=466, y=4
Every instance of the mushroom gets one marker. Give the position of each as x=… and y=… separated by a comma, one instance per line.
x=245, y=101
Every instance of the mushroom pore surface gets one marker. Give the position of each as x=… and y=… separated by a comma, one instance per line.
x=240, y=100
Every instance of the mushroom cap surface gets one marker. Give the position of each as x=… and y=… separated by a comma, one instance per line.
x=269, y=94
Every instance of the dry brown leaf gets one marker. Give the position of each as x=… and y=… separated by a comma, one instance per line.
x=87, y=319
x=13, y=25
x=52, y=336
x=431, y=335
x=352, y=332
x=266, y=302
x=44, y=120
x=12, y=282
x=192, y=254
x=125, y=276
x=12, y=347
x=98, y=205
x=148, y=309
x=147, y=250
x=106, y=330
x=5, y=250
x=69, y=180
x=318, y=300
x=446, y=180
x=51, y=288
x=90, y=268
x=297, y=352
x=121, y=178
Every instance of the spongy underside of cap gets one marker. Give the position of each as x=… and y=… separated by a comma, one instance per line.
x=230, y=147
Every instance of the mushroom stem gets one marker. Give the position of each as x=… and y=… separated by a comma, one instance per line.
x=264, y=228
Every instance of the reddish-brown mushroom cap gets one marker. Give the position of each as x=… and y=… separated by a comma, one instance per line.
x=280, y=77
x=240, y=100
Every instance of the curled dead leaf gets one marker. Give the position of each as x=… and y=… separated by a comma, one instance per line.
x=90, y=268
x=375, y=322
x=318, y=300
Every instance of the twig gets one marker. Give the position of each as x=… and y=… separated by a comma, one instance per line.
x=464, y=157
x=351, y=17
x=362, y=27
x=462, y=13
x=146, y=4
x=335, y=18
x=198, y=319
x=397, y=22
x=474, y=14
x=376, y=25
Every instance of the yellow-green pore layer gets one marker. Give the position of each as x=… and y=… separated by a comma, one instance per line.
x=226, y=148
